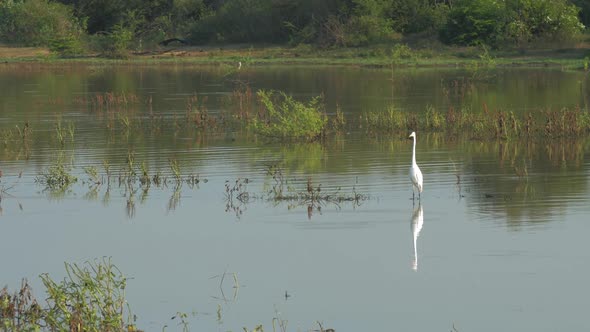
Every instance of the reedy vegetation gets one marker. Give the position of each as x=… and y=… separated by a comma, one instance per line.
x=274, y=115
x=482, y=125
x=283, y=189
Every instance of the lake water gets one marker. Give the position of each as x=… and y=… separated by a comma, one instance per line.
x=488, y=248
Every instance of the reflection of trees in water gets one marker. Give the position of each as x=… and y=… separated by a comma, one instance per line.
x=294, y=157
x=527, y=181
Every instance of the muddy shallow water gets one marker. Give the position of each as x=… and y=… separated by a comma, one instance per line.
x=497, y=242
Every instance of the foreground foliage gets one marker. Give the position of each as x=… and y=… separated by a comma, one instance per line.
x=90, y=298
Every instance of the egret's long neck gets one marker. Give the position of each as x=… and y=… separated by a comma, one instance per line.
x=414, y=152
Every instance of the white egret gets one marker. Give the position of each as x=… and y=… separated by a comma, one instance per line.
x=415, y=173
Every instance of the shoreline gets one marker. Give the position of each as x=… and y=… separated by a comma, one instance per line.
x=378, y=57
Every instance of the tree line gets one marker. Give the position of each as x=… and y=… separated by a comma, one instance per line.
x=113, y=27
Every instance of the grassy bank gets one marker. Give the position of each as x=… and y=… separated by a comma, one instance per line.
x=434, y=55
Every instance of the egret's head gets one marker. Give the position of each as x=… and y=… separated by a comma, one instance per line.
x=412, y=135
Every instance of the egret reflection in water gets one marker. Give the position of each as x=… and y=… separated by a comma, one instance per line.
x=417, y=222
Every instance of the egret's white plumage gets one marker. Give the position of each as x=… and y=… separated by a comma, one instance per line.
x=415, y=173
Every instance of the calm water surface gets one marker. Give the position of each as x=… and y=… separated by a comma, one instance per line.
x=489, y=248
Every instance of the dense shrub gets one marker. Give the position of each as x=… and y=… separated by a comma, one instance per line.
x=542, y=20
x=519, y=22
x=40, y=23
x=289, y=119
x=366, y=29
x=418, y=15
x=149, y=21
x=473, y=22
x=313, y=22
x=104, y=15
x=115, y=44
x=183, y=15
x=354, y=31
x=240, y=21
x=368, y=23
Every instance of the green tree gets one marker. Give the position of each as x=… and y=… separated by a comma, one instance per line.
x=542, y=21
x=309, y=21
x=509, y=22
x=103, y=15
x=41, y=23
x=472, y=22
x=240, y=21
x=413, y=16
x=584, y=6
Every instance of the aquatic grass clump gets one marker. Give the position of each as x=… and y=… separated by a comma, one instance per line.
x=25, y=132
x=567, y=123
x=313, y=197
x=338, y=121
x=434, y=119
x=64, y=131
x=395, y=120
x=6, y=135
x=17, y=141
x=236, y=196
x=391, y=120
x=56, y=177
x=241, y=103
x=112, y=100
x=198, y=115
x=175, y=169
x=486, y=124
x=93, y=177
x=283, y=190
x=288, y=119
